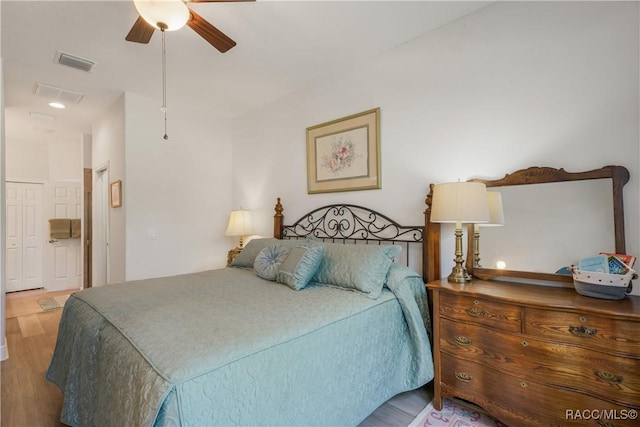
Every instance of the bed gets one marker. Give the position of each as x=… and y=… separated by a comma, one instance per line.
x=325, y=341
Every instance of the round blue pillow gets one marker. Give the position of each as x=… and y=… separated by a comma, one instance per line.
x=269, y=260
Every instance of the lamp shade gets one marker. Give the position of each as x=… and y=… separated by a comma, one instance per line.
x=240, y=224
x=496, y=214
x=460, y=202
x=169, y=15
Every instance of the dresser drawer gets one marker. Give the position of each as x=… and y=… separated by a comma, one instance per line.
x=494, y=314
x=520, y=402
x=599, y=374
x=589, y=330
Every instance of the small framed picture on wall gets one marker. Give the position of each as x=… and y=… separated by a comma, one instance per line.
x=116, y=194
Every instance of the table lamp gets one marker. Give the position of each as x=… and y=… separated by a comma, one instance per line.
x=240, y=224
x=496, y=219
x=460, y=202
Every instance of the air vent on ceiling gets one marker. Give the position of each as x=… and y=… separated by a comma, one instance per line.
x=63, y=95
x=74, y=61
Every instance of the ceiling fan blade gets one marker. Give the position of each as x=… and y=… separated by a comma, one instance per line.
x=141, y=32
x=217, y=38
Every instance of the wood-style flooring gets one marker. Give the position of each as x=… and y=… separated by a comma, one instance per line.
x=28, y=400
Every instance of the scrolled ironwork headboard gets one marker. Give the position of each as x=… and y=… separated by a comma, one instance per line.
x=346, y=223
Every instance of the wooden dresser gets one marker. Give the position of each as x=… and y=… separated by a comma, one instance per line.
x=537, y=355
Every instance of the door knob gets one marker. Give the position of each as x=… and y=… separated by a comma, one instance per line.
x=53, y=241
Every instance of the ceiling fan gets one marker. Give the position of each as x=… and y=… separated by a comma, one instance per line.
x=171, y=15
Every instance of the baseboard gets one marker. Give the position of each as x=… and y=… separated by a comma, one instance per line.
x=4, y=351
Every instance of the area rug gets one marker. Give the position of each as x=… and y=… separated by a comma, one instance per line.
x=453, y=415
x=49, y=304
x=62, y=299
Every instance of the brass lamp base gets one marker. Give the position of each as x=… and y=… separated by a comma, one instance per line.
x=459, y=274
x=232, y=254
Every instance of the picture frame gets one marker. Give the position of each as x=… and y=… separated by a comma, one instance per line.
x=116, y=194
x=344, y=154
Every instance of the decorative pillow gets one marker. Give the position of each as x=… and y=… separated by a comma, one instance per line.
x=251, y=251
x=361, y=268
x=302, y=263
x=269, y=259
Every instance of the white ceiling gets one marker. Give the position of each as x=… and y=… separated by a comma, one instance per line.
x=282, y=47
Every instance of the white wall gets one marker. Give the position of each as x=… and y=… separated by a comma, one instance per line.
x=86, y=143
x=514, y=85
x=34, y=161
x=176, y=191
x=27, y=161
x=108, y=149
x=65, y=161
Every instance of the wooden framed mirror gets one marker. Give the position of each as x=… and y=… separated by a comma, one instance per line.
x=559, y=217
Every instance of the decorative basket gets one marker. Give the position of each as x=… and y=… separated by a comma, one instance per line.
x=602, y=285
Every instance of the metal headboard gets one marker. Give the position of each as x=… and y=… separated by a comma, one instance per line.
x=347, y=223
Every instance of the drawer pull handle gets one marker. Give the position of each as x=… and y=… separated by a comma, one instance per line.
x=463, y=340
x=524, y=343
x=475, y=312
x=582, y=331
x=523, y=384
x=464, y=377
x=608, y=377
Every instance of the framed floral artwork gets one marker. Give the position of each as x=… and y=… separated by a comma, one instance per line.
x=344, y=154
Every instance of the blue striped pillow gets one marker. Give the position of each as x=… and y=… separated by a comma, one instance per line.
x=269, y=259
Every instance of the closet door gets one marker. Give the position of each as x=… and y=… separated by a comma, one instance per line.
x=64, y=256
x=14, y=237
x=24, y=236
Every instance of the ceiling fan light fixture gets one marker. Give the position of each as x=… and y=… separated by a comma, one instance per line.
x=169, y=15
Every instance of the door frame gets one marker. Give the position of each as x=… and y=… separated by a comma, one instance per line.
x=87, y=229
x=100, y=261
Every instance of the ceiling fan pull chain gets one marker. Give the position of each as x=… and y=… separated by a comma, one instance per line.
x=164, y=84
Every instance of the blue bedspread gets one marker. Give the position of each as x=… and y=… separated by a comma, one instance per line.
x=224, y=347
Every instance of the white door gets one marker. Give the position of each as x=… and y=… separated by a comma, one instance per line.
x=64, y=257
x=100, y=247
x=25, y=236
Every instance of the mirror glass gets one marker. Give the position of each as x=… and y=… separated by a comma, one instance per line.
x=553, y=218
x=550, y=225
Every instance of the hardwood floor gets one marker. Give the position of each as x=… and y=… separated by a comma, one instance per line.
x=28, y=399
x=401, y=409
